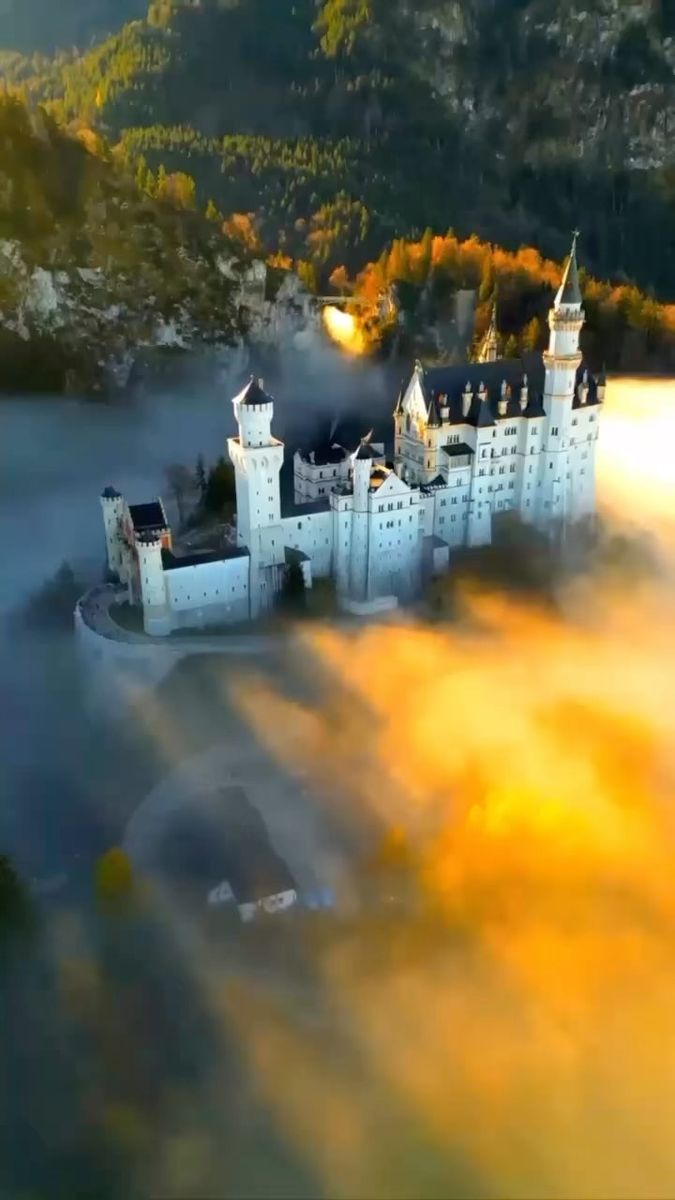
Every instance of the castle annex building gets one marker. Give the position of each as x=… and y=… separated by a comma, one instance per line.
x=470, y=442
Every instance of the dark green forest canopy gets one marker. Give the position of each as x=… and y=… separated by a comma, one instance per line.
x=342, y=124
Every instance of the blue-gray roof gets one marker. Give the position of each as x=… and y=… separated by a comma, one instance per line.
x=254, y=393
x=146, y=517
x=173, y=562
x=451, y=381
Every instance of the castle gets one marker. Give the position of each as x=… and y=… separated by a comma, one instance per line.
x=470, y=443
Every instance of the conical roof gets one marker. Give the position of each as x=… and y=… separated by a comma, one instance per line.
x=570, y=288
x=433, y=415
x=364, y=450
x=253, y=393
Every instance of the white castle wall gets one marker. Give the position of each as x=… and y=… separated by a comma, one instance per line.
x=209, y=593
x=312, y=534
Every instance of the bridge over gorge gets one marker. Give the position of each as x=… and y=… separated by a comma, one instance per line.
x=385, y=300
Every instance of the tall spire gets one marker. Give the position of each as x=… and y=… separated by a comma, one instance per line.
x=570, y=289
x=489, y=349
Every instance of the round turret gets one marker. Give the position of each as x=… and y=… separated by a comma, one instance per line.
x=156, y=612
x=112, y=503
x=254, y=411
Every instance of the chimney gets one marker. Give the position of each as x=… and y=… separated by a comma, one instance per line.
x=466, y=400
x=445, y=408
x=482, y=393
x=524, y=394
x=503, y=402
x=583, y=389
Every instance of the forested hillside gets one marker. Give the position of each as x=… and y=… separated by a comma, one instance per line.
x=624, y=329
x=91, y=267
x=345, y=123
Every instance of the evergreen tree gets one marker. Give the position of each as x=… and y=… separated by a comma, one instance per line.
x=426, y=250
x=220, y=487
x=532, y=336
x=488, y=285
x=212, y=213
x=15, y=908
x=200, y=477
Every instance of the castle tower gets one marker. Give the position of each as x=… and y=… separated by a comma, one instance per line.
x=489, y=350
x=156, y=613
x=479, y=528
x=562, y=361
x=257, y=458
x=361, y=463
x=112, y=504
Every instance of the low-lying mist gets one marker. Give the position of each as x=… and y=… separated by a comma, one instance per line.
x=507, y=1031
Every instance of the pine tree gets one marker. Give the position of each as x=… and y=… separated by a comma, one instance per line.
x=212, y=213
x=426, y=250
x=487, y=280
x=532, y=336
x=200, y=476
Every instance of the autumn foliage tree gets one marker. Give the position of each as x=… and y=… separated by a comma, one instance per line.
x=623, y=327
x=114, y=876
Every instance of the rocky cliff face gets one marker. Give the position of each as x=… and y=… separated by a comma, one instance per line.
x=91, y=333
x=579, y=77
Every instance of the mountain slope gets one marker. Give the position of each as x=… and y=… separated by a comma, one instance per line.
x=344, y=124
x=90, y=267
